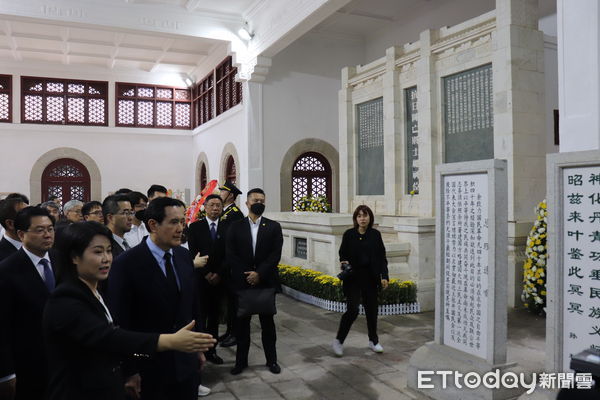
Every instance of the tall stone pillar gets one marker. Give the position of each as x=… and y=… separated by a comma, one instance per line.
x=519, y=123
x=346, y=141
x=392, y=131
x=579, y=74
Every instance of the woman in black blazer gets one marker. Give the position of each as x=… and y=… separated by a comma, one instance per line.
x=84, y=348
x=362, y=255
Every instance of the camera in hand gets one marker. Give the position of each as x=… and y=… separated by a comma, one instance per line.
x=346, y=271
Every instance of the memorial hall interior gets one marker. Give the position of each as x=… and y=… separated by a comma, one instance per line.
x=267, y=109
x=358, y=101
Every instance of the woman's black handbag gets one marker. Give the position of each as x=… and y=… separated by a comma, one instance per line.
x=256, y=301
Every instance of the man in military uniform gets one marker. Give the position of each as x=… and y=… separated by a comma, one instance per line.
x=231, y=213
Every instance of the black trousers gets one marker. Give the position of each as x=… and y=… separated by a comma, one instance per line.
x=158, y=389
x=269, y=337
x=354, y=289
x=210, y=308
x=231, y=316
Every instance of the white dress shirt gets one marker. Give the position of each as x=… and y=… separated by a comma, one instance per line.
x=14, y=242
x=36, y=261
x=254, y=231
x=136, y=234
x=119, y=240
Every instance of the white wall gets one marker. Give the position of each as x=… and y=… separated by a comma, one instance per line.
x=547, y=25
x=301, y=99
x=127, y=157
x=426, y=15
x=211, y=139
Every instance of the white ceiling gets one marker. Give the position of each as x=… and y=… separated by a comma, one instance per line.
x=48, y=42
x=361, y=18
x=237, y=7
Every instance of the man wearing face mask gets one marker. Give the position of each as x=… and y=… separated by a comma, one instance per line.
x=231, y=213
x=253, y=252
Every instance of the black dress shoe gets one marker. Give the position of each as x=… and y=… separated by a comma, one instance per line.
x=213, y=358
x=230, y=341
x=274, y=368
x=223, y=337
x=238, y=369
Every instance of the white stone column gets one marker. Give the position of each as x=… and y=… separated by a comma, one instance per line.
x=427, y=98
x=346, y=141
x=253, y=110
x=519, y=123
x=579, y=74
x=392, y=128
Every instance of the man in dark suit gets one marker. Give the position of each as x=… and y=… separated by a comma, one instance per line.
x=253, y=253
x=231, y=213
x=26, y=279
x=207, y=240
x=10, y=242
x=152, y=289
x=118, y=217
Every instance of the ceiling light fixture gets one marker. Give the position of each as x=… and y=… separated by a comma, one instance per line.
x=188, y=81
x=245, y=33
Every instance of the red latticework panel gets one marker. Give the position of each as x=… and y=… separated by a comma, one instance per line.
x=55, y=87
x=299, y=189
x=65, y=170
x=319, y=186
x=152, y=106
x=4, y=107
x=126, y=91
x=164, y=93
x=56, y=101
x=77, y=193
x=33, y=108
x=311, y=176
x=203, y=177
x=55, y=109
x=182, y=115
x=126, y=112
x=76, y=88
x=5, y=98
x=182, y=94
x=97, y=111
x=145, y=113
x=54, y=191
x=164, y=114
x=229, y=92
x=203, y=104
x=309, y=163
x=230, y=170
x=76, y=110
x=145, y=92
x=66, y=178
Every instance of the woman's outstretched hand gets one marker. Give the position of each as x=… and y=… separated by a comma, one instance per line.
x=186, y=340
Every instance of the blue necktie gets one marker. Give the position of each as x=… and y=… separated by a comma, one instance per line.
x=48, y=275
x=213, y=231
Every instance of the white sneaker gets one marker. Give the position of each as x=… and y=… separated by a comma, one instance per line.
x=376, y=347
x=203, y=391
x=338, y=348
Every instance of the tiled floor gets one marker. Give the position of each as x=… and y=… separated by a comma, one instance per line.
x=311, y=371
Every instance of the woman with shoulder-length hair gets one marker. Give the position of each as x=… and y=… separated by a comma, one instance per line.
x=364, y=272
x=84, y=348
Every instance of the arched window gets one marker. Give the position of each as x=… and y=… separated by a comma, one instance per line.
x=203, y=178
x=66, y=178
x=311, y=176
x=230, y=171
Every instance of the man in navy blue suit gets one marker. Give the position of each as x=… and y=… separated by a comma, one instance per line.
x=152, y=289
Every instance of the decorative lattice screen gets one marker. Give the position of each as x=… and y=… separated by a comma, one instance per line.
x=151, y=106
x=59, y=101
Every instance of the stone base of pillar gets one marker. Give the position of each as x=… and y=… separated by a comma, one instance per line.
x=435, y=357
